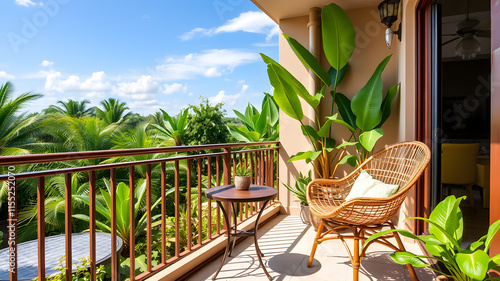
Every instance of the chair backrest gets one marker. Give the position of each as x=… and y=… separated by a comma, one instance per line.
x=400, y=164
x=458, y=163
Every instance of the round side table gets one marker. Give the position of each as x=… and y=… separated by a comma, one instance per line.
x=229, y=193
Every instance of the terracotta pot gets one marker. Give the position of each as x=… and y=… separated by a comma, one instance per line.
x=242, y=183
x=305, y=214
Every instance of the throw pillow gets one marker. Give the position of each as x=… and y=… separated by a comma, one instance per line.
x=362, y=184
x=366, y=186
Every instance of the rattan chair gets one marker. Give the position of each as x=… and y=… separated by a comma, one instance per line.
x=400, y=164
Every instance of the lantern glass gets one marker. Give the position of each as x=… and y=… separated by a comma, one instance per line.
x=390, y=9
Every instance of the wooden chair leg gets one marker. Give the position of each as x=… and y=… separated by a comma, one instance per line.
x=413, y=275
x=355, y=263
x=315, y=245
x=470, y=195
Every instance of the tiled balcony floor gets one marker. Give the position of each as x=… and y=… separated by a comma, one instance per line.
x=286, y=244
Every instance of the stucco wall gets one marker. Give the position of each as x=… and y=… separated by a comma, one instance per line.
x=291, y=138
x=371, y=50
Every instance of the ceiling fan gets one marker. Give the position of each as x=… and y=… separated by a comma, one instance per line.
x=468, y=47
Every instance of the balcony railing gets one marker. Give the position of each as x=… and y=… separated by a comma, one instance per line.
x=195, y=161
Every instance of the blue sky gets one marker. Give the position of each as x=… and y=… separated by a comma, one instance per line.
x=149, y=53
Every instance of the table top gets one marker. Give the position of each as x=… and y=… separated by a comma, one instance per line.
x=27, y=258
x=229, y=193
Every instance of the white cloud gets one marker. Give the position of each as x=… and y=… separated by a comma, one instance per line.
x=226, y=99
x=244, y=88
x=145, y=88
x=6, y=75
x=47, y=63
x=210, y=63
x=26, y=3
x=252, y=22
x=212, y=72
x=93, y=86
x=173, y=88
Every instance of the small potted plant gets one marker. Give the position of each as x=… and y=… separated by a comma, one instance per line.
x=300, y=190
x=243, y=177
x=444, y=244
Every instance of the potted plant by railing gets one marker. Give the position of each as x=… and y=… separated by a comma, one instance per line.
x=300, y=190
x=444, y=244
x=363, y=116
x=243, y=177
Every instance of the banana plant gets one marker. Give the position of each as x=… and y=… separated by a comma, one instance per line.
x=443, y=243
x=258, y=126
x=103, y=207
x=173, y=127
x=338, y=44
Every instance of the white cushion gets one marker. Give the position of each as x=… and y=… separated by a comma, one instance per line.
x=381, y=190
x=362, y=184
x=366, y=186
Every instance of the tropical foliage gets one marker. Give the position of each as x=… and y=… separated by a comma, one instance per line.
x=16, y=131
x=444, y=244
x=300, y=188
x=123, y=220
x=363, y=116
x=113, y=110
x=72, y=126
x=173, y=128
x=206, y=124
x=71, y=108
x=258, y=126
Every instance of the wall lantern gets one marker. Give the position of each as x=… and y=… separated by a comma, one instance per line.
x=388, y=15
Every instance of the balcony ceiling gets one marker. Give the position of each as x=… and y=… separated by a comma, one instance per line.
x=282, y=9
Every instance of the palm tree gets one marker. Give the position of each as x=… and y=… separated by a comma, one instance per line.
x=55, y=207
x=71, y=108
x=173, y=127
x=16, y=132
x=112, y=110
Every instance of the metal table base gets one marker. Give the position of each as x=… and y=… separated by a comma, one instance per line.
x=238, y=233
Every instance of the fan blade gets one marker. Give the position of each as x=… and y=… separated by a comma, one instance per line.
x=484, y=25
x=483, y=33
x=449, y=41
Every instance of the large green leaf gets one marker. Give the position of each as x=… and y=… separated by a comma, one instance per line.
x=334, y=119
x=262, y=121
x=325, y=128
x=349, y=159
x=387, y=103
x=272, y=109
x=308, y=60
x=247, y=122
x=329, y=144
x=474, y=264
x=344, y=107
x=492, y=231
x=447, y=215
x=368, y=139
x=310, y=132
x=348, y=143
x=284, y=94
x=366, y=104
x=308, y=156
x=333, y=75
x=408, y=258
x=240, y=134
x=339, y=38
x=300, y=90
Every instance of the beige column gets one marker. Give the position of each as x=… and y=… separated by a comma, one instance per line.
x=314, y=27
